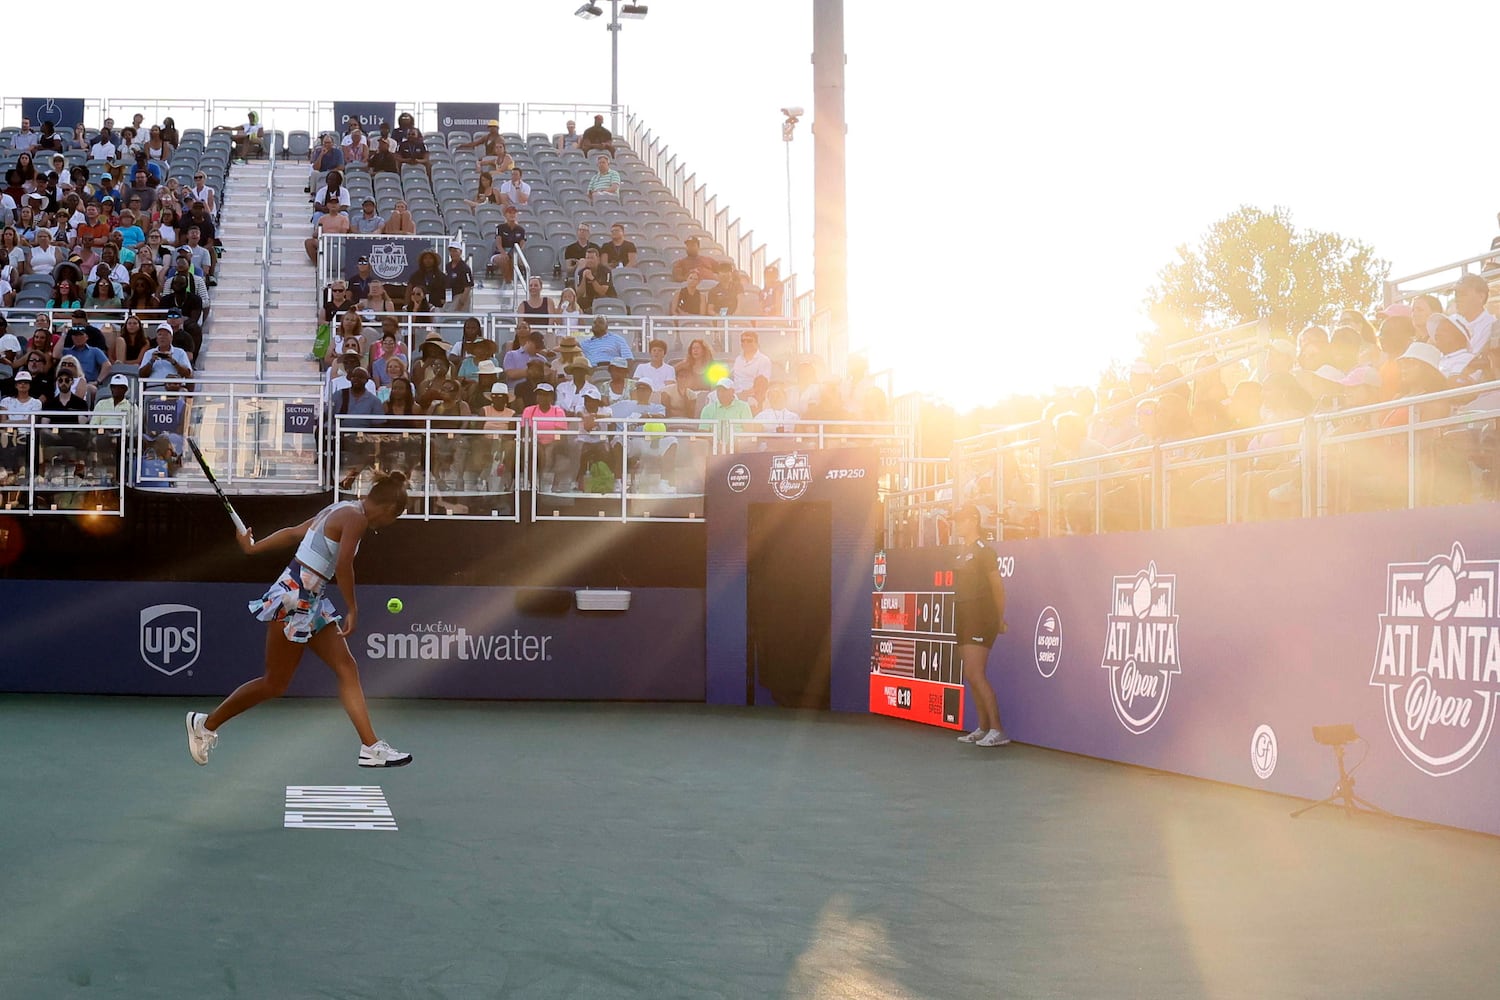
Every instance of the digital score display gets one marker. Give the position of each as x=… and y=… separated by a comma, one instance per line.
x=915, y=672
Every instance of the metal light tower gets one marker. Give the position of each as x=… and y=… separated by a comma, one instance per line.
x=793, y=116
x=830, y=229
x=617, y=10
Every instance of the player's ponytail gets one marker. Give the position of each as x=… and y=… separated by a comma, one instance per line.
x=389, y=490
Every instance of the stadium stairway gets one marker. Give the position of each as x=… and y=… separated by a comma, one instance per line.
x=234, y=328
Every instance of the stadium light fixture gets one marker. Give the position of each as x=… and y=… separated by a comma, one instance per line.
x=589, y=10
x=635, y=10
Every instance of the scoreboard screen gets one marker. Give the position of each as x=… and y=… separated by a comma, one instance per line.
x=915, y=672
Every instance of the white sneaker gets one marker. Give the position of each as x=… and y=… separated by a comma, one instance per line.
x=382, y=754
x=201, y=742
x=994, y=738
x=973, y=737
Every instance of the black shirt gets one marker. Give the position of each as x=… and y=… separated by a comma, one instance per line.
x=578, y=251
x=586, y=291
x=971, y=581
x=617, y=256
x=75, y=404
x=205, y=227
x=511, y=235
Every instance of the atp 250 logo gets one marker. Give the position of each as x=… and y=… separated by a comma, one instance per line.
x=1140, y=650
x=171, y=637
x=1438, y=659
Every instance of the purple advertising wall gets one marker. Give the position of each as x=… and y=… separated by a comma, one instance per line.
x=1215, y=651
x=447, y=642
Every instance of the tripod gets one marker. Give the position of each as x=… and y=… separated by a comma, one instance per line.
x=1343, y=793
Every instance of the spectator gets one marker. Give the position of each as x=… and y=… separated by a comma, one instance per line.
x=515, y=191
x=700, y=366
x=25, y=140
x=105, y=146
x=570, y=394
x=355, y=147
x=429, y=277
x=618, y=387
x=102, y=293
x=606, y=181
x=66, y=295
x=91, y=362
x=750, y=363
x=1449, y=334
x=724, y=297
x=510, y=236
x=545, y=418
x=597, y=137
x=460, y=280
x=335, y=223
x=144, y=172
x=494, y=148
x=376, y=299
x=205, y=237
x=331, y=190
x=327, y=158
x=487, y=194
x=619, y=252
x=689, y=300
x=1396, y=335
x=472, y=344
x=772, y=292
x=132, y=344
x=537, y=308
x=166, y=361
x=39, y=367
x=418, y=304
x=246, y=136
x=400, y=222
x=656, y=373
x=1469, y=298
x=516, y=364
x=201, y=192
x=595, y=281
x=358, y=285
x=1423, y=307
x=49, y=138
x=568, y=311
x=569, y=139
x=575, y=253
x=723, y=408
x=383, y=151
x=605, y=345
x=692, y=262
x=397, y=395
x=413, y=150
x=115, y=410
x=131, y=235
x=776, y=418
x=536, y=375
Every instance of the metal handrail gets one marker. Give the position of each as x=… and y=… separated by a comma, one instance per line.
x=265, y=261
x=1393, y=292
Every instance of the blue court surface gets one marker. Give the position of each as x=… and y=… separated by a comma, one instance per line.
x=645, y=851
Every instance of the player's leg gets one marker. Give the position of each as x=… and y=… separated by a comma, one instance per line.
x=333, y=650
x=977, y=657
x=282, y=657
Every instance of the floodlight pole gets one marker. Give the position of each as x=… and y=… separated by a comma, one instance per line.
x=830, y=211
x=614, y=66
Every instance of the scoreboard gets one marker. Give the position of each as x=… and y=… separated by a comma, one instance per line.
x=915, y=672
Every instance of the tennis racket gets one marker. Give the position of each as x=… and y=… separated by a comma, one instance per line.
x=238, y=524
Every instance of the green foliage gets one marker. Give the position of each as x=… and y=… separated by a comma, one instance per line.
x=1255, y=265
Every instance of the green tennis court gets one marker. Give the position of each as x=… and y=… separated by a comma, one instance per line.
x=591, y=851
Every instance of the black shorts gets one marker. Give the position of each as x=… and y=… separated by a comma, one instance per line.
x=975, y=630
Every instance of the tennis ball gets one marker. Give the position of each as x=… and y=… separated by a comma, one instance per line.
x=394, y=605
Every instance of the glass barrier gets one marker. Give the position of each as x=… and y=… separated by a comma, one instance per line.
x=465, y=468
x=50, y=467
x=632, y=469
x=261, y=435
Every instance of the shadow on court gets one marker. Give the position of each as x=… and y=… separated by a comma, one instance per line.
x=611, y=852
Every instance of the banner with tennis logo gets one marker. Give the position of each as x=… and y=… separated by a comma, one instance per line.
x=369, y=114
x=465, y=116
x=62, y=112
x=393, y=259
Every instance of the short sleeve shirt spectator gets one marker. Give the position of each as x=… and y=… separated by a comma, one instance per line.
x=412, y=147
x=511, y=235
x=610, y=178
x=618, y=256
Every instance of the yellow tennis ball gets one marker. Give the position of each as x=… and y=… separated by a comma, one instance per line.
x=394, y=605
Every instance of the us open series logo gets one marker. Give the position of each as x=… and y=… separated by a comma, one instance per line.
x=1140, y=650
x=1438, y=659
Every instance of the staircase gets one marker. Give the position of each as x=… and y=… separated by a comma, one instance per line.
x=233, y=332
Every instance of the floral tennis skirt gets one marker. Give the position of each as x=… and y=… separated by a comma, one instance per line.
x=296, y=599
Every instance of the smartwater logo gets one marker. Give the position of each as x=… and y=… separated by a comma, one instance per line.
x=1438, y=659
x=170, y=637
x=1140, y=651
x=442, y=641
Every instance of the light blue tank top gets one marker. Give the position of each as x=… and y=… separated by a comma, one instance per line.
x=318, y=552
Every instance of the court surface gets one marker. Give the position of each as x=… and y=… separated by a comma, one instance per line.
x=596, y=851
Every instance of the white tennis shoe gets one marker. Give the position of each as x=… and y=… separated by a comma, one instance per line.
x=994, y=738
x=201, y=742
x=973, y=737
x=382, y=754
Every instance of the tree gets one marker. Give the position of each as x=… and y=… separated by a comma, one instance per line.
x=1254, y=265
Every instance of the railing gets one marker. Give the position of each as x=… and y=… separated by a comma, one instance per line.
x=264, y=302
x=659, y=469
x=333, y=263
x=255, y=434
x=1395, y=290
x=1440, y=448
x=57, y=468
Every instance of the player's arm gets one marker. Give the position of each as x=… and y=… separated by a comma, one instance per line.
x=997, y=590
x=284, y=538
x=350, y=532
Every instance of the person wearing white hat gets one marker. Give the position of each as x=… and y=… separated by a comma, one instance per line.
x=723, y=407
x=1451, y=336
x=116, y=409
x=166, y=360
x=545, y=417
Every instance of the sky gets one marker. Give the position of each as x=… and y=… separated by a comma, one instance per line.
x=1018, y=174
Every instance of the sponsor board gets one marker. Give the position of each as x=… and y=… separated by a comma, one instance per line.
x=171, y=637
x=1141, y=648
x=1047, y=645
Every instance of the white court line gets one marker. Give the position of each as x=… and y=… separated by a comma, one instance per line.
x=337, y=807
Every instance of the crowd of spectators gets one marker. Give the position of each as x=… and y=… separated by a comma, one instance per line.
x=1258, y=406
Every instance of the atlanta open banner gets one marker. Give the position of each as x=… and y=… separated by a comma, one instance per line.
x=1215, y=651
x=393, y=259
x=448, y=642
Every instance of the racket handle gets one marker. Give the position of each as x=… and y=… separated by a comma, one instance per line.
x=238, y=524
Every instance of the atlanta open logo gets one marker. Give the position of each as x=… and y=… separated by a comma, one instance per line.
x=388, y=260
x=1140, y=651
x=1438, y=659
x=170, y=636
x=790, y=475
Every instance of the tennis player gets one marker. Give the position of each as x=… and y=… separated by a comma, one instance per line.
x=980, y=617
x=298, y=613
